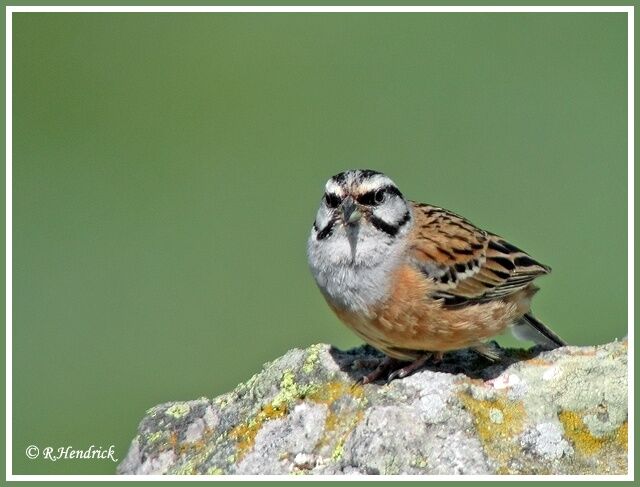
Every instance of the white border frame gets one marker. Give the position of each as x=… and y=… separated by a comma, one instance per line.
x=326, y=9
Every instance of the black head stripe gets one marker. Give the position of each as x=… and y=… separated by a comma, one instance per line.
x=393, y=190
x=360, y=174
x=369, y=198
x=332, y=200
x=391, y=230
x=340, y=177
x=367, y=173
x=326, y=231
x=383, y=226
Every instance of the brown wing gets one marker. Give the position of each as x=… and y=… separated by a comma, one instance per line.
x=466, y=263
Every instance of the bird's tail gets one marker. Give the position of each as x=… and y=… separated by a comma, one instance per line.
x=529, y=328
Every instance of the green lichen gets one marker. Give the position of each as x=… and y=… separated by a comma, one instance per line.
x=152, y=411
x=390, y=468
x=195, y=455
x=312, y=358
x=186, y=469
x=290, y=390
x=249, y=383
x=222, y=401
x=420, y=462
x=338, y=451
x=155, y=437
x=178, y=410
x=215, y=471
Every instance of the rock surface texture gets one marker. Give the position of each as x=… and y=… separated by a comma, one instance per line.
x=535, y=412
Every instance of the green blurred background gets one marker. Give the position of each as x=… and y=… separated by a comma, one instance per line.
x=167, y=169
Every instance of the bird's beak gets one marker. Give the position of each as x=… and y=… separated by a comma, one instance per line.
x=350, y=212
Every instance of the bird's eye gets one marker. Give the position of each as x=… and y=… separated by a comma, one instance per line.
x=372, y=198
x=332, y=200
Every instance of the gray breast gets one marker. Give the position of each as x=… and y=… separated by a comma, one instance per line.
x=354, y=281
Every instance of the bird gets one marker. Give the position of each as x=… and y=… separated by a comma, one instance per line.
x=415, y=280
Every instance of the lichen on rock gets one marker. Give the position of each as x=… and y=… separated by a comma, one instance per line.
x=534, y=412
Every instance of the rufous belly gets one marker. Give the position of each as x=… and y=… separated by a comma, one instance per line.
x=409, y=322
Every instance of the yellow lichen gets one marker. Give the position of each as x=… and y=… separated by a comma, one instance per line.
x=329, y=392
x=172, y=441
x=582, y=439
x=338, y=425
x=290, y=391
x=622, y=435
x=498, y=437
x=538, y=361
x=576, y=431
x=192, y=448
x=245, y=433
x=484, y=414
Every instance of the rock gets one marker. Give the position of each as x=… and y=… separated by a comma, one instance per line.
x=534, y=412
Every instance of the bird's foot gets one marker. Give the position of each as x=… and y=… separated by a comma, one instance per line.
x=385, y=365
x=403, y=372
x=395, y=369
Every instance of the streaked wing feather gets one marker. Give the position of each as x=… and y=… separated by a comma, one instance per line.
x=466, y=263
